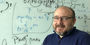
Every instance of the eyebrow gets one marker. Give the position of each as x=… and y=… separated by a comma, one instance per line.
x=63, y=16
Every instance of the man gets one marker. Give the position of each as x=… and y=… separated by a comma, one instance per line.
x=64, y=31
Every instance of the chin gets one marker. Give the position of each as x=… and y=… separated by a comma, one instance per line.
x=60, y=33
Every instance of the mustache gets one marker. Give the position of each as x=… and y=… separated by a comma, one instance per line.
x=61, y=25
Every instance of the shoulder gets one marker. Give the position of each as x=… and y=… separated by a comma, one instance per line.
x=51, y=35
x=49, y=38
x=82, y=35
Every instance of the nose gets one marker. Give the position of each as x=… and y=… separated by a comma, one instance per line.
x=59, y=21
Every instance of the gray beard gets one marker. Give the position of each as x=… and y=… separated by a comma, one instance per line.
x=60, y=34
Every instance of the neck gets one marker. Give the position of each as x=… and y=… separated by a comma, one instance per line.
x=61, y=36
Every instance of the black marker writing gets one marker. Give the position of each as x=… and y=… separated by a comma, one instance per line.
x=17, y=39
x=8, y=5
x=4, y=42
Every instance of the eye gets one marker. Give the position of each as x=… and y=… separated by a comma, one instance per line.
x=66, y=18
x=56, y=17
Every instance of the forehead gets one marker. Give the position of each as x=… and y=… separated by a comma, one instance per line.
x=63, y=11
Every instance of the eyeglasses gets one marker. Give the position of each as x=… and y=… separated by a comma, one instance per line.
x=62, y=18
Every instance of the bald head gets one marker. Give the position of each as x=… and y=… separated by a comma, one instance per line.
x=66, y=10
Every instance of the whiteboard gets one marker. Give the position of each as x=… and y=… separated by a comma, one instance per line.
x=28, y=22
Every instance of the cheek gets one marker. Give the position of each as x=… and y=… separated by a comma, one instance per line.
x=54, y=23
x=70, y=24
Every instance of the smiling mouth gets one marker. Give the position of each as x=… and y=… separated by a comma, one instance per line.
x=60, y=28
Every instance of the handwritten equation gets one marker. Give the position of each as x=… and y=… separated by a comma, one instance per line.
x=37, y=14
x=26, y=23
x=31, y=21
x=83, y=21
x=25, y=40
x=21, y=40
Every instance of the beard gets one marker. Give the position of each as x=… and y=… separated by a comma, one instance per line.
x=61, y=29
x=60, y=32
